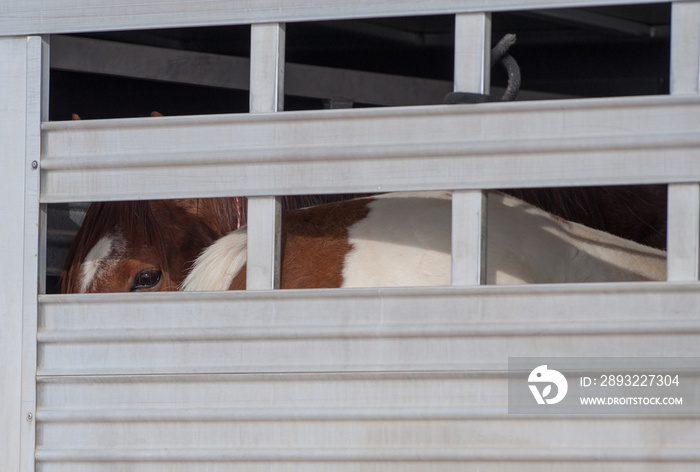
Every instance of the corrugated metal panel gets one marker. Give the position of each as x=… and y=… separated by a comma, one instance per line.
x=417, y=421
x=15, y=77
x=684, y=199
x=395, y=378
x=553, y=143
x=329, y=380
x=361, y=330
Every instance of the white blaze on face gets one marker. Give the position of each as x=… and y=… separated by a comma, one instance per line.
x=97, y=263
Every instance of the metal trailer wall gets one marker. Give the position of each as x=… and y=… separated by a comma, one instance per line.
x=333, y=379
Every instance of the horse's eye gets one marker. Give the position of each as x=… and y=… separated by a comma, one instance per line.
x=147, y=278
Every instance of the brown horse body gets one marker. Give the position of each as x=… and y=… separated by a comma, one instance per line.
x=134, y=246
x=404, y=239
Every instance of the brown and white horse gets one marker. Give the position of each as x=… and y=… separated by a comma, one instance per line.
x=404, y=239
x=151, y=245
x=144, y=245
x=390, y=240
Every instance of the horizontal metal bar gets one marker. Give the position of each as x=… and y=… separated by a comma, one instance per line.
x=500, y=145
x=472, y=73
x=71, y=16
x=371, y=332
x=685, y=48
x=147, y=62
x=272, y=414
x=639, y=301
x=214, y=70
x=446, y=328
x=308, y=415
x=545, y=454
x=151, y=413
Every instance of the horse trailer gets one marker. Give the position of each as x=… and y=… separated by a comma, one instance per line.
x=278, y=98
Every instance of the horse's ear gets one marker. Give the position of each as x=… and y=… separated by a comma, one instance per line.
x=155, y=114
x=75, y=117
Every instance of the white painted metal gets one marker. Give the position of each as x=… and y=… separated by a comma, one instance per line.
x=71, y=16
x=20, y=119
x=472, y=73
x=264, y=212
x=683, y=239
x=575, y=142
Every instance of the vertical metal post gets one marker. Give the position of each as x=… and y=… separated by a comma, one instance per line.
x=264, y=213
x=267, y=51
x=683, y=233
x=43, y=208
x=21, y=77
x=472, y=52
x=472, y=74
x=685, y=48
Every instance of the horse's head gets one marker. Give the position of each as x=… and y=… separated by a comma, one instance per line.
x=142, y=246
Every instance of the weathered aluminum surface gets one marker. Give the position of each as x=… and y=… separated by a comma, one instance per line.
x=472, y=73
x=263, y=248
x=71, y=16
x=387, y=421
x=419, y=421
x=267, y=58
x=364, y=379
x=469, y=222
x=683, y=235
x=355, y=330
x=24, y=64
x=683, y=232
x=472, y=69
x=341, y=378
x=685, y=43
x=570, y=142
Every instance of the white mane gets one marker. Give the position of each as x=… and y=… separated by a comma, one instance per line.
x=216, y=267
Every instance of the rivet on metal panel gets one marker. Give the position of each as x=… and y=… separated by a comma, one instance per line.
x=30, y=416
x=35, y=164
